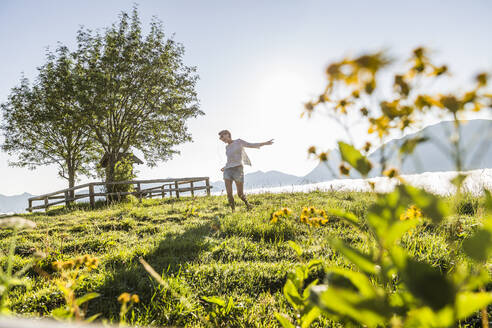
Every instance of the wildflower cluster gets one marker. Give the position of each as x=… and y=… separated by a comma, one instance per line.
x=70, y=277
x=313, y=217
x=353, y=87
x=87, y=260
x=190, y=211
x=128, y=298
x=413, y=212
x=282, y=213
x=127, y=301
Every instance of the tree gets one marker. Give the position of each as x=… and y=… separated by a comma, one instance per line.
x=137, y=92
x=41, y=123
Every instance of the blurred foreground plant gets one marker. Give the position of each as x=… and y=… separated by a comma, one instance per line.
x=389, y=287
x=9, y=278
x=71, y=274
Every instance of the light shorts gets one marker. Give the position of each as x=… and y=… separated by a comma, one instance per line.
x=234, y=173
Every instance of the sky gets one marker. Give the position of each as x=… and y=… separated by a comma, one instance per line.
x=258, y=62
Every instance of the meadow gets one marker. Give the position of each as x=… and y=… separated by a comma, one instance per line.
x=218, y=268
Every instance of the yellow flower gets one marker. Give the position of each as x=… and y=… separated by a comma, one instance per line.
x=380, y=125
x=135, y=298
x=482, y=79
x=309, y=106
x=391, y=173
x=124, y=298
x=413, y=212
x=274, y=218
x=343, y=169
x=451, y=103
x=286, y=211
x=440, y=70
x=312, y=150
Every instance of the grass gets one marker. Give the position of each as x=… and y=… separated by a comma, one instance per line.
x=212, y=253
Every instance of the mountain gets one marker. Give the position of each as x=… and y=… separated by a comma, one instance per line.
x=15, y=204
x=436, y=154
x=261, y=179
x=431, y=156
x=475, y=145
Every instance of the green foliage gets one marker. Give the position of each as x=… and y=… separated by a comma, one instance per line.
x=145, y=93
x=297, y=293
x=219, y=254
x=42, y=124
x=118, y=91
x=8, y=278
x=223, y=313
x=387, y=284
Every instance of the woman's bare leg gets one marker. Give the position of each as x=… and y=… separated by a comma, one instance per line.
x=240, y=193
x=230, y=196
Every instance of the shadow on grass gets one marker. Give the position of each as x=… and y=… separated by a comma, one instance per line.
x=172, y=252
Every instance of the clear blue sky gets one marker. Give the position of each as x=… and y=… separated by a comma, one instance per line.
x=258, y=62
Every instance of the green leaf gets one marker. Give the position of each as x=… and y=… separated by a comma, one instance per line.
x=458, y=180
x=295, y=247
x=479, y=245
x=428, y=284
x=284, y=321
x=307, y=290
x=352, y=156
x=86, y=298
x=309, y=314
x=92, y=318
x=357, y=279
x=215, y=300
x=468, y=303
x=292, y=295
x=409, y=145
x=362, y=261
x=488, y=201
x=431, y=205
x=347, y=216
x=347, y=303
x=313, y=264
x=398, y=229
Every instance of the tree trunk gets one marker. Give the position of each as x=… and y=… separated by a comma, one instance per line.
x=71, y=182
x=110, y=188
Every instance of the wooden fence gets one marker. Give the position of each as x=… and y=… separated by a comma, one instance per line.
x=164, y=187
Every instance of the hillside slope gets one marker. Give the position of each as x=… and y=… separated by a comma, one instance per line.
x=204, y=252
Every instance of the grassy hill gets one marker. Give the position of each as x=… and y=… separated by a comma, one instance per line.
x=202, y=250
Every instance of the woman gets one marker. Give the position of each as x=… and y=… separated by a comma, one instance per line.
x=233, y=170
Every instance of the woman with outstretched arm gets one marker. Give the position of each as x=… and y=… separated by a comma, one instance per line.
x=233, y=170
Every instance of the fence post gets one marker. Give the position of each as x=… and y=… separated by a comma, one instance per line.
x=207, y=183
x=138, y=193
x=162, y=191
x=176, y=185
x=91, y=196
x=67, y=203
x=192, y=191
x=46, y=204
x=30, y=206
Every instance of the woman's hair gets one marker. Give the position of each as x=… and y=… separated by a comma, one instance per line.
x=224, y=132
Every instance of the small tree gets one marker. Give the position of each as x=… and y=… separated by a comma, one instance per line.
x=138, y=93
x=42, y=125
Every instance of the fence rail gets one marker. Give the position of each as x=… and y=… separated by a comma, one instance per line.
x=164, y=187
